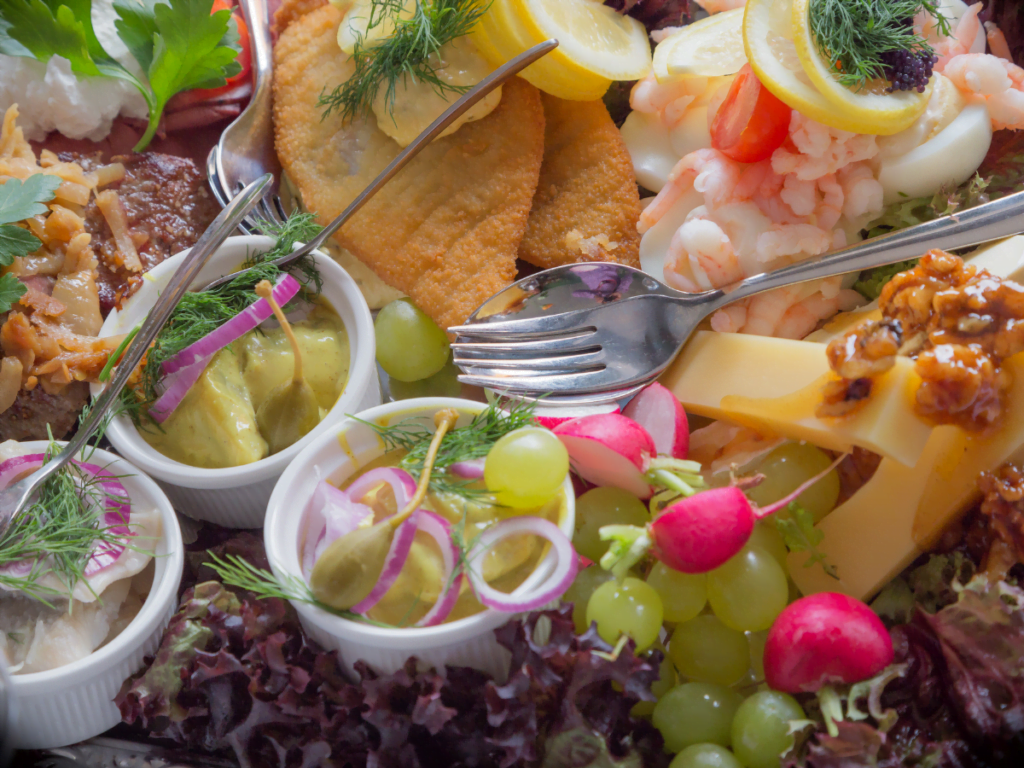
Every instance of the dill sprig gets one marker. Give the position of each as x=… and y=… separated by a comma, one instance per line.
x=854, y=35
x=57, y=533
x=412, y=50
x=472, y=441
x=235, y=571
x=199, y=313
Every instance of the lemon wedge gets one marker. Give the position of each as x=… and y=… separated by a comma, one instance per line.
x=881, y=112
x=596, y=45
x=711, y=47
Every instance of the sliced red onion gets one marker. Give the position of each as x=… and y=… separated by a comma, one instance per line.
x=177, y=386
x=553, y=586
x=436, y=526
x=397, y=555
x=471, y=470
x=402, y=484
x=233, y=329
x=115, y=519
x=330, y=514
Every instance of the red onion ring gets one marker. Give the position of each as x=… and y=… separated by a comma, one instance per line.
x=471, y=470
x=115, y=519
x=233, y=329
x=330, y=514
x=396, y=557
x=176, y=386
x=437, y=527
x=401, y=483
x=553, y=586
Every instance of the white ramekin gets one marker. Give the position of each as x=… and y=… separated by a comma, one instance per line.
x=237, y=497
x=467, y=642
x=68, y=704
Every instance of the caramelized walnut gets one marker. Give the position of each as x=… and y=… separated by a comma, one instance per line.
x=869, y=350
x=1003, y=505
x=841, y=397
x=959, y=322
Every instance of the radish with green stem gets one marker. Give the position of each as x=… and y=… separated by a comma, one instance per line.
x=824, y=639
x=609, y=449
x=696, y=534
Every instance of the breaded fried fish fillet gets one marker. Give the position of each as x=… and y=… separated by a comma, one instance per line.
x=447, y=228
x=587, y=206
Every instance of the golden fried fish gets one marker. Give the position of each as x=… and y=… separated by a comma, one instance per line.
x=587, y=205
x=447, y=228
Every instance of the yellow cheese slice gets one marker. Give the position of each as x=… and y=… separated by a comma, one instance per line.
x=774, y=385
x=901, y=511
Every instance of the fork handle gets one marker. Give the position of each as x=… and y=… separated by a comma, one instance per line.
x=991, y=221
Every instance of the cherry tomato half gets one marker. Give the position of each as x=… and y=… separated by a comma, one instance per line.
x=752, y=122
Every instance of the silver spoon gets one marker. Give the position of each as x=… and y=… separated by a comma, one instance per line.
x=14, y=498
x=449, y=116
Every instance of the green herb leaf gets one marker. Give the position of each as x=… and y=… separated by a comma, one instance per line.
x=800, y=535
x=853, y=36
x=410, y=51
x=22, y=200
x=11, y=289
x=15, y=241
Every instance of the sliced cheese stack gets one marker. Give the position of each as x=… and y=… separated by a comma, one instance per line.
x=774, y=385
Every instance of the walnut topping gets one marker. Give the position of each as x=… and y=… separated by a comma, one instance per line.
x=1003, y=505
x=958, y=322
x=841, y=397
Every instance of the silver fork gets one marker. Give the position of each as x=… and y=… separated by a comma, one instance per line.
x=14, y=498
x=506, y=71
x=246, y=148
x=591, y=331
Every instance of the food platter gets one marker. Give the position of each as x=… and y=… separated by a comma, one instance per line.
x=334, y=519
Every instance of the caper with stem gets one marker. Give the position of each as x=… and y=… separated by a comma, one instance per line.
x=349, y=568
x=290, y=410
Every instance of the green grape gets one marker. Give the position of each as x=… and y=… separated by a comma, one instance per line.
x=767, y=537
x=748, y=591
x=692, y=713
x=705, y=756
x=666, y=682
x=410, y=346
x=683, y=594
x=579, y=592
x=705, y=650
x=444, y=383
x=526, y=467
x=600, y=507
x=630, y=608
x=760, y=730
x=789, y=466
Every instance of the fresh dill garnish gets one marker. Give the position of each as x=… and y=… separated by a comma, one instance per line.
x=472, y=441
x=201, y=312
x=412, y=50
x=235, y=571
x=860, y=37
x=58, y=533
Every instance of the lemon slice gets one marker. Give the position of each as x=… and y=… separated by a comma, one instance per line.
x=590, y=35
x=711, y=47
x=502, y=35
x=885, y=113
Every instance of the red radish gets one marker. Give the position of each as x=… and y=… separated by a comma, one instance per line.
x=699, y=533
x=551, y=416
x=609, y=449
x=658, y=411
x=696, y=534
x=825, y=638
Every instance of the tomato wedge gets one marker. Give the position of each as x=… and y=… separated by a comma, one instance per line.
x=752, y=122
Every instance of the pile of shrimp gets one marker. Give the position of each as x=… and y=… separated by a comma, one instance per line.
x=802, y=202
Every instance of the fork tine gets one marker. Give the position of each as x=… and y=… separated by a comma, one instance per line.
x=559, y=324
x=526, y=366
x=592, y=398
x=577, y=382
x=563, y=345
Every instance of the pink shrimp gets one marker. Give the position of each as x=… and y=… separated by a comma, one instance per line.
x=667, y=100
x=730, y=319
x=998, y=81
x=963, y=38
x=706, y=170
x=766, y=310
x=997, y=41
x=804, y=316
x=703, y=246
